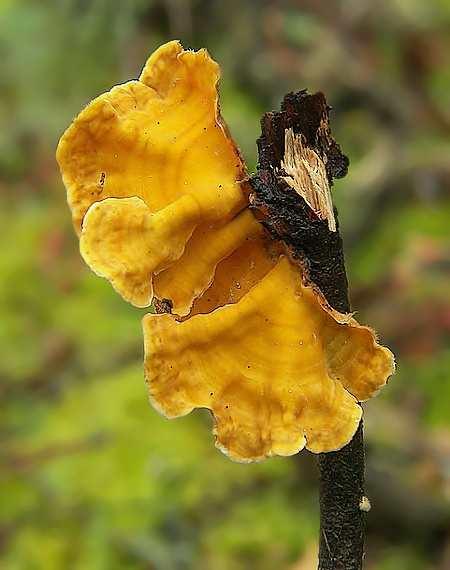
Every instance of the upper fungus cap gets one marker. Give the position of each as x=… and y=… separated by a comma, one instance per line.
x=149, y=164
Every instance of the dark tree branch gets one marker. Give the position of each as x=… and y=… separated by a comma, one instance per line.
x=309, y=239
x=341, y=489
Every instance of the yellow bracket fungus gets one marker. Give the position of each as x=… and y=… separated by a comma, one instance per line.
x=160, y=151
x=272, y=368
x=160, y=200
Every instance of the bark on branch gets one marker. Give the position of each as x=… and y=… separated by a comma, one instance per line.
x=294, y=214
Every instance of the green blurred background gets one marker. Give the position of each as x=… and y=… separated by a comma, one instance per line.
x=91, y=477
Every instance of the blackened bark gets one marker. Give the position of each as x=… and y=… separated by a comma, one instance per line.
x=291, y=220
x=341, y=488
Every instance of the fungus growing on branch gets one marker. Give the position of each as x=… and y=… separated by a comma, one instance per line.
x=164, y=210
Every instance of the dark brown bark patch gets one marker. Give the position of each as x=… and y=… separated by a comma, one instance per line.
x=288, y=217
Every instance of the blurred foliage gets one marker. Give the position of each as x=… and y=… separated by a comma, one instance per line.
x=92, y=477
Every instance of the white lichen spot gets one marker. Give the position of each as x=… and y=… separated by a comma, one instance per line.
x=364, y=504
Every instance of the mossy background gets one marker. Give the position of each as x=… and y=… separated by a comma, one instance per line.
x=91, y=476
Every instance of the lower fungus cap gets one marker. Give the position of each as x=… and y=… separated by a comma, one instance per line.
x=265, y=369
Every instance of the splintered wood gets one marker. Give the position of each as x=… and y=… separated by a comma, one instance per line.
x=307, y=175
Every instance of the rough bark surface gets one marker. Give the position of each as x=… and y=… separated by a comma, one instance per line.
x=290, y=219
x=341, y=488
